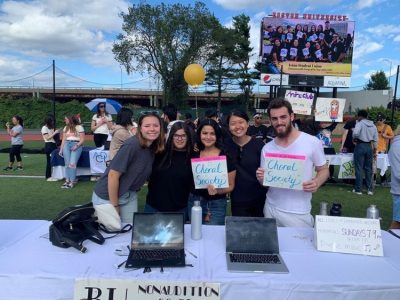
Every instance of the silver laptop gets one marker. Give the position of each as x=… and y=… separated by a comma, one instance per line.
x=252, y=245
x=157, y=240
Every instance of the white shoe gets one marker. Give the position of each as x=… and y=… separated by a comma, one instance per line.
x=52, y=179
x=358, y=193
x=370, y=193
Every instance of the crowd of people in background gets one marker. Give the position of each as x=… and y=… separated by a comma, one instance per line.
x=305, y=43
x=159, y=150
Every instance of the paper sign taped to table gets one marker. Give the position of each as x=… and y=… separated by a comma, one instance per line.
x=98, y=159
x=210, y=170
x=301, y=101
x=284, y=171
x=145, y=289
x=348, y=235
x=347, y=169
x=329, y=109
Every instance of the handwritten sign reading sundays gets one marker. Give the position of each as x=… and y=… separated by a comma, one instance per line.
x=210, y=170
x=284, y=171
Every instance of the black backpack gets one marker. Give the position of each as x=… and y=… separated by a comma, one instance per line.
x=73, y=226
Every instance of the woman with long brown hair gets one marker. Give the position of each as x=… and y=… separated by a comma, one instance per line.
x=71, y=148
x=128, y=171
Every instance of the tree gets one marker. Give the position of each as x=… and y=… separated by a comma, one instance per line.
x=220, y=72
x=378, y=81
x=163, y=40
x=246, y=77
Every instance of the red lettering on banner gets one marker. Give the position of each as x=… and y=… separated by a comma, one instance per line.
x=274, y=14
x=317, y=16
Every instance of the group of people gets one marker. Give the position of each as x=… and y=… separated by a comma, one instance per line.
x=305, y=42
x=164, y=159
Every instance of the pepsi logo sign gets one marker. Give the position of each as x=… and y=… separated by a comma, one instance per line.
x=267, y=78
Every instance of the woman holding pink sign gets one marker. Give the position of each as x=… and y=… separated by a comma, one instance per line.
x=212, y=199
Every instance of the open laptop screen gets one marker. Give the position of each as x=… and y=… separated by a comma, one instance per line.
x=157, y=230
x=251, y=235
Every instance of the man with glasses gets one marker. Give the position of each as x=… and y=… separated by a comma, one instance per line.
x=258, y=130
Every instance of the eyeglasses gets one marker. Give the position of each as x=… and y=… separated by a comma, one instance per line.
x=102, y=106
x=258, y=118
x=180, y=137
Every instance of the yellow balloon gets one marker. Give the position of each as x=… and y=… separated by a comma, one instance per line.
x=194, y=74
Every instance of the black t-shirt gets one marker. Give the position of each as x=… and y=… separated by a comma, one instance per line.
x=337, y=49
x=329, y=35
x=247, y=158
x=169, y=187
x=259, y=132
x=230, y=164
x=348, y=143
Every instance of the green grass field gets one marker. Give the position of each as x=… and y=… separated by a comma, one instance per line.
x=35, y=198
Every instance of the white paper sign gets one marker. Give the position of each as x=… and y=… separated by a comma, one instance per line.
x=348, y=235
x=274, y=79
x=299, y=34
x=347, y=169
x=144, y=289
x=318, y=54
x=284, y=171
x=98, y=159
x=289, y=36
x=293, y=51
x=210, y=170
x=321, y=36
x=313, y=38
x=301, y=101
x=329, y=109
x=283, y=52
x=306, y=51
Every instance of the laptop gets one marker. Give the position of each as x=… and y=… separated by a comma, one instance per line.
x=252, y=245
x=157, y=241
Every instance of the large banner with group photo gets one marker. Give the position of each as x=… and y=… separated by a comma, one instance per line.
x=309, y=44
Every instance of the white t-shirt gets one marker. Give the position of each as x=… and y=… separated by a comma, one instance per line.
x=46, y=130
x=103, y=129
x=295, y=201
x=73, y=136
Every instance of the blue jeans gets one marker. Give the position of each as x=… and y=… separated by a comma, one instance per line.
x=215, y=209
x=363, y=161
x=71, y=159
x=150, y=209
x=396, y=207
x=128, y=204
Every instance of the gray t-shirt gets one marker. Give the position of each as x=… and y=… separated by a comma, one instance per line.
x=134, y=162
x=17, y=140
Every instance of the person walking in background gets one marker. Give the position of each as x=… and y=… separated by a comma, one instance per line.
x=171, y=179
x=213, y=200
x=365, y=135
x=123, y=130
x=129, y=170
x=101, y=125
x=347, y=145
x=48, y=133
x=394, y=159
x=325, y=136
x=246, y=151
x=385, y=134
x=258, y=130
x=16, y=142
x=71, y=149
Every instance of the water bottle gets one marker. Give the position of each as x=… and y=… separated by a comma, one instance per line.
x=323, y=208
x=372, y=212
x=196, y=218
x=336, y=209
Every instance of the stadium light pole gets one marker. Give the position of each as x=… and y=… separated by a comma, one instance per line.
x=54, y=92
